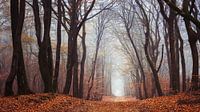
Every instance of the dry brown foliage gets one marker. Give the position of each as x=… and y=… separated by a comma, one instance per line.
x=63, y=103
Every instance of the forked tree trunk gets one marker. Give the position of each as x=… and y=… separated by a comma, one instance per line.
x=17, y=67
x=45, y=59
x=72, y=57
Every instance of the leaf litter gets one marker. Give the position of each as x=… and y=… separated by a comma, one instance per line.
x=61, y=103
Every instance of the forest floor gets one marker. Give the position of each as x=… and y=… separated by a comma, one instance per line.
x=62, y=103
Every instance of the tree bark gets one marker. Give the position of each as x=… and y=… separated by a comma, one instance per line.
x=182, y=58
x=174, y=69
x=45, y=51
x=139, y=61
x=57, y=64
x=193, y=38
x=17, y=67
x=72, y=48
x=82, y=71
x=75, y=25
x=75, y=70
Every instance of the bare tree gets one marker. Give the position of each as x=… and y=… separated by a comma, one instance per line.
x=174, y=60
x=102, y=21
x=183, y=65
x=75, y=24
x=151, y=46
x=17, y=9
x=82, y=68
x=189, y=12
x=182, y=12
x=44, y=43
x=57, y=64
x=193, y=38
x=128, y=18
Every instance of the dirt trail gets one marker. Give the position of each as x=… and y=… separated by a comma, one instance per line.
x=118, y=99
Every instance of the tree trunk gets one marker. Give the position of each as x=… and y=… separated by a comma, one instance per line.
x=57, y=65
x=82, y=71
x=75, y=25
x=11, y=77
x=91, y=78
x=140, y=64
x=75, y=70
x=153, y=68
x=45, y=52
x=195, y=59
x=72, y=57
x=18, y=67
x=192, y=41
x=193, y=38
x=182, y=58
x=172, y=39
x=69, y=65
x=173, y=68
x=168, y=58
x=138, y=82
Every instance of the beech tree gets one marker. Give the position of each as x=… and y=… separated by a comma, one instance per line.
x=44, y=42
x=102, y=21
x=151, y=46
x=17, y=9
x=83, y=59
x=75, y=24
x=58, y=47
x=174, y=60
x=189, y=12
x=127, y=17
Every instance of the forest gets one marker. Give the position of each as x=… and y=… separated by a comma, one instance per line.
x=115, y=55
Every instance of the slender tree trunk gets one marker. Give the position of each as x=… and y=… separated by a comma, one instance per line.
x=101, y=25
x=182, y=58
x=69, y=65
x=138, y=81
x=140, y=64
x=82, y=71
x=153, y=68
x=93, y=70
x=150, y=51
x=153, y=90
x=103, y=76
x=177, y=56
x=195, y=59
x=57, y=65
x=168, y=59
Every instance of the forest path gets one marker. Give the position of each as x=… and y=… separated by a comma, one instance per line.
x=63, y=103
x=118, y=98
